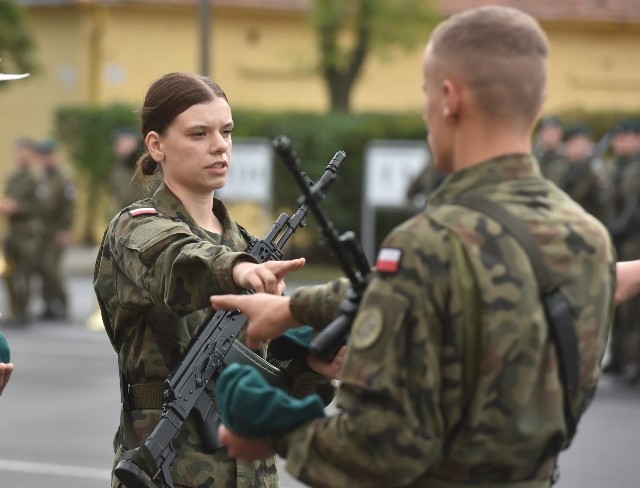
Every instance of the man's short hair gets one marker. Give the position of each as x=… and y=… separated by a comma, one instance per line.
x=500, y=53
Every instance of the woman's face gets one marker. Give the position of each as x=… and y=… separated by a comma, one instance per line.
x=195, y=150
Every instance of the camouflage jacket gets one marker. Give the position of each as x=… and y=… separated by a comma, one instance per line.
x=56, y=194
x=154, y=276
x=625, y=222
x=25, y=224
x=403, y=418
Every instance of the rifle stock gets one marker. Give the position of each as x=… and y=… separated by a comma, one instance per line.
x=207, y=354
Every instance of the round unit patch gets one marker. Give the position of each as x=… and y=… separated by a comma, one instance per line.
x=367, y=328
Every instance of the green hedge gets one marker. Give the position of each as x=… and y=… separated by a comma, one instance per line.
x=316, y=138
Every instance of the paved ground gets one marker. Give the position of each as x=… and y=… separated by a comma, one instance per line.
x=58, y=414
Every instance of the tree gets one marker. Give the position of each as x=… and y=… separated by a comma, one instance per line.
x=16, y=45
x=349, y=30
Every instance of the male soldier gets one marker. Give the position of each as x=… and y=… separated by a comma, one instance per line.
x=576, y=175
x=56, y=193
x=625, y=229
x=423, y=185
x=127, y=147
x=21, y=245
x=452, y=377
x=548, y=144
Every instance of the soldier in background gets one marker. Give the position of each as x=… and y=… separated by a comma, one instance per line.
x=56, y=194
x=424, y=183
x=625, y=230
x=547, y=145
x=21, y=245
x=575, y=174
x=127, y=146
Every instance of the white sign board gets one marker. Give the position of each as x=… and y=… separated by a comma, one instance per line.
x=251, y=173
x=390, y=166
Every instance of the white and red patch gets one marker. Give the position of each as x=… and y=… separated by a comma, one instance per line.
x=388, y=260
x=143, y=211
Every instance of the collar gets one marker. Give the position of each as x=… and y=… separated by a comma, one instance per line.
x=492, y=171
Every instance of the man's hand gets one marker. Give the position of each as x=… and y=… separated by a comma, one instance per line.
x=243, y=448
x=332, y=369
x=267, y=277
x=628, y=280
x=5, y=373
x=268, y=315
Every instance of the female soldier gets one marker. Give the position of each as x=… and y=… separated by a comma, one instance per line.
x=162, y=257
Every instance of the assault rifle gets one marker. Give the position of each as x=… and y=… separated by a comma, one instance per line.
x=345, y=247
x=206, y=356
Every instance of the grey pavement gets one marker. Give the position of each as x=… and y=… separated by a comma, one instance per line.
x=60, y=410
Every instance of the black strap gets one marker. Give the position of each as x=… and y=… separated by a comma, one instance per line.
x=557, y=310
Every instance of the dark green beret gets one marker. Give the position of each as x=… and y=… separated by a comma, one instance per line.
x=551, y=121
x=5, y=354
x=251, y=407
x=47, y=146
x=575, y=131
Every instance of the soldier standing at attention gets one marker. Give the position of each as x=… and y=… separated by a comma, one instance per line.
x=577, y=176
x=22, y=243
x=127, y=148
x=547, y=146
x=625, y=229
x=160, y=260
x=56, y=194
x=451, y=377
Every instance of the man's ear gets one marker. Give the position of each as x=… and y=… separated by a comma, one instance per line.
x=451, y=97
x=154, y=146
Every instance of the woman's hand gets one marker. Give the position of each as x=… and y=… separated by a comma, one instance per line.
x=267, y=277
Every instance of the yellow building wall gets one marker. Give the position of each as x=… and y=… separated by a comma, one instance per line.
x=265, y=60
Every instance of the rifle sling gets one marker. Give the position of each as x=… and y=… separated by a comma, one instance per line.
x=151, y=395
x=561, y=327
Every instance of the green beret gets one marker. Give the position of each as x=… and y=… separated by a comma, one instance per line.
x=575, y=131
x=47, y=146
x=251, y=407
x=5, y=354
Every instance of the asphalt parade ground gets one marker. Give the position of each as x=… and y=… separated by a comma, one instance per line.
x=61, y=408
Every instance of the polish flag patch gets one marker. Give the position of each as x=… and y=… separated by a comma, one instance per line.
x=388, y=260
x=143, y=211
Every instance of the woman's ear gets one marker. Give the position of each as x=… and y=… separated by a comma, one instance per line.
x=154, y=146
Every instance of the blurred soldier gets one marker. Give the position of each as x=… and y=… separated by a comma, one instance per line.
x=127, y=148
x=576, y=175
x=56, y=193
x=547, y=146
x=625, y=230
x=422, y=186
x=21, y=245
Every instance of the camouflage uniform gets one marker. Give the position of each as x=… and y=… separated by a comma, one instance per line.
x=21, y=246
x=625, y=229
x=154, y=277
x=404, y=417
x=582, y=184
x=126, y=190
x=56, y=194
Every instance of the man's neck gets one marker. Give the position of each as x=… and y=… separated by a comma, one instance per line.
x=478, y=142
